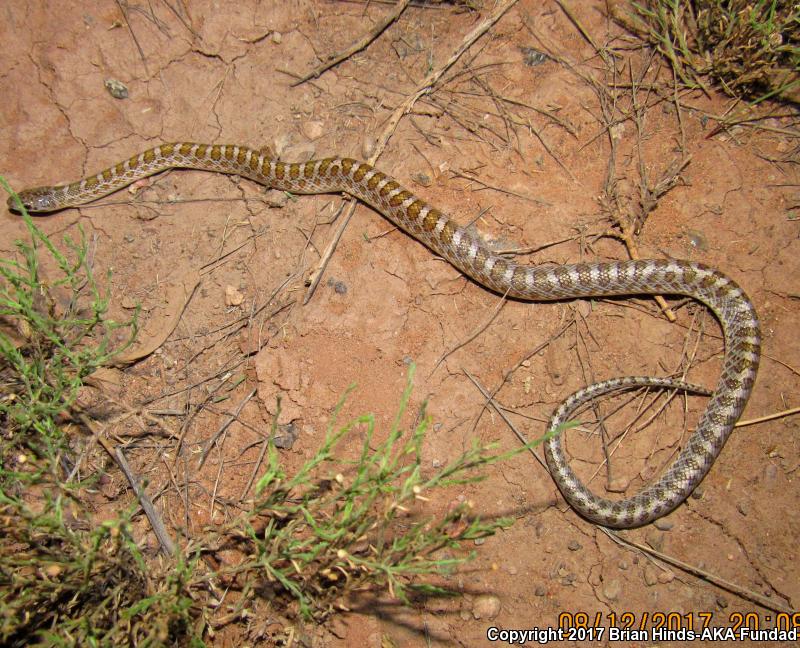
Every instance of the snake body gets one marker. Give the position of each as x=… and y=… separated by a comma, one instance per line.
x=472, y=256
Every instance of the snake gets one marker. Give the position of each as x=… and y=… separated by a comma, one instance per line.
x=471, y=255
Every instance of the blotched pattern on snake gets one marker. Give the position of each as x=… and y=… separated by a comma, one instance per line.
x=472, y=256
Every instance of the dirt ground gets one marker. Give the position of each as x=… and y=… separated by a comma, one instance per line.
x=509, y=140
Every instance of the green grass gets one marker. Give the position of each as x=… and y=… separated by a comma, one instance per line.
x=58, y=344
x=67, y=581
x=749, y=48
x=307, y=544
x=340, y=526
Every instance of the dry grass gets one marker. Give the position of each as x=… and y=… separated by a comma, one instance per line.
x=750, y=49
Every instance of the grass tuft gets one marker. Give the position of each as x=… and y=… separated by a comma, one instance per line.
x=48, y=346
x=306, y=546
x=750, y=48
x=65, y=581
x=338, y=527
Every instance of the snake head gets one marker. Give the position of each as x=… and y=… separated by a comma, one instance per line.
x=38, y=199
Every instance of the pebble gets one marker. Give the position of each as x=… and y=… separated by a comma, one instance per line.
x=285, y=436
x=313, y=130
x=368, y=146
x=277, y=37
x=697, y=240
x=770, y=473
x=540, y=590
x=116, y=88
x=276, y=199
x=574, y=545
x=233, y=297
x=666, y=577
x=486, y=606
x=650, y=575
x=612, y=589
x=422, y=179
x=619, y=485
x=662, y=524
x=128, y=302
x=532, y=57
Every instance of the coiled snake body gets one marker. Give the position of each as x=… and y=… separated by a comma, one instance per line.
x=472, y=256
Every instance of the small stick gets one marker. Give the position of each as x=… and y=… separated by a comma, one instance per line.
x=316, y=276
x=358, y=45
x=733, y=588
x=491, y=401
x=769, y=417
x=223, y=427
x=167, y=546
x=481, y=328
x=424, y=87
x=133, y=35
x=524, y=358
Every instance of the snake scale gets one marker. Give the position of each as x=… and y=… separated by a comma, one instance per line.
x=473, y=257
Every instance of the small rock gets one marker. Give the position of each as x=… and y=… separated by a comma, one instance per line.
x=655, y=540
x=298, y=153
x=662, y=524
x=574, y=545
x=666, y=577
x=116, y=88
x=540, y=590
x=368, y=146
x=743, y=508
x=128, y=302
x=233, y=297
x=512, y=570
x=650, y=575
x=697, y=240
x=313, y=130
x=275, y=199
x=722, y=602
x=618, y=485
x=612, y=589
x=532, y=57
x=565, y=577
x=486, y=606
x=422, y=179
x=277, y=37
x=770, y=473
x=285, y=436
x=479, y=541
x=623, y=565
